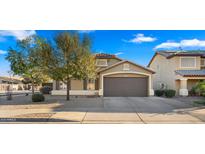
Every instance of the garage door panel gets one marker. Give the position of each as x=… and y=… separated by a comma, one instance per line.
x=125, y=86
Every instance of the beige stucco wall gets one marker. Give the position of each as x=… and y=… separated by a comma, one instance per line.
x=131, y=66
x=198, y=64
x=177, y=86
x=76, y=84
x=134, y=71
x=126, y=75
x=112, y=61
x=90, y=86
x=109, y=63
x=119, y=68
x=165, y=70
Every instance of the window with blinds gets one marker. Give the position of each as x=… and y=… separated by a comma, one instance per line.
x=202, y=62
x=101, y=62
x=188, y=62
x=126, y=67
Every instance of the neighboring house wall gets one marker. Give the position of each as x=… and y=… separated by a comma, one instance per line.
x=178, y=62
x=164, y=71
x=4, y=87
x=7, y=83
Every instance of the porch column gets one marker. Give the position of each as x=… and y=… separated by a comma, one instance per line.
x=97, y=84
x=151, y=91
x=54, y=84
x=183, y=91
x=85, y=84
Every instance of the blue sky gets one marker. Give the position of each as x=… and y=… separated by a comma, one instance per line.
x=135, y=45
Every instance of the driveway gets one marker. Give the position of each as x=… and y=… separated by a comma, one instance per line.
x=132, y=110
x=106, y=110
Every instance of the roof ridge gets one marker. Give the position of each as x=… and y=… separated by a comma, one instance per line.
x=144, y=67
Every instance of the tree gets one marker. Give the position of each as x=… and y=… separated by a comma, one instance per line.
x=69, y=58
x=24, y=60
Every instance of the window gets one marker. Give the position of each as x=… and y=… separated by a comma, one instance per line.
x=126, y=67
x=202, y=62
x=101, y=62
x=187, y=62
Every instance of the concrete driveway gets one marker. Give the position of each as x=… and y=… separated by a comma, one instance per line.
x=132, y=110
x=105, y=110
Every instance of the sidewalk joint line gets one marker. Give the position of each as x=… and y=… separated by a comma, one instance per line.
x=84, y=117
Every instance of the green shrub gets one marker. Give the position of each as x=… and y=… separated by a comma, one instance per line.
x=201, y=102
x=159, y=92
x=169, y=93
x=38, y=98
x=192, y=92
x=203, y=94
x=45, y=90
x=199, y=88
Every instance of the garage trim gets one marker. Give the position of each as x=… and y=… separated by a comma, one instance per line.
x=150, y=92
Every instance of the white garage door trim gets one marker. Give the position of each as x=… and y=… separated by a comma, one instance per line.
x=126, y=72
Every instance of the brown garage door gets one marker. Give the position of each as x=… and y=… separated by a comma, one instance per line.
x=125, y=86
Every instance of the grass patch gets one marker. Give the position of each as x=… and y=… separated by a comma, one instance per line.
x=201, y=102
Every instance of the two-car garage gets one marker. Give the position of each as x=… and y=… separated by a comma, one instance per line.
x=125, y=79
x=125, y=86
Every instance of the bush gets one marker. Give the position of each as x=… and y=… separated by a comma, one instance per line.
x=199, y=88
x=203, y=94
x=192, y=92
x=201, y=102
x=169, y=93
x=45, y=90
x=38, y=98
x=159, y=92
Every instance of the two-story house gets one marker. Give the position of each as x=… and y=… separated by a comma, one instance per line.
x=179, y=70
x=115, y=77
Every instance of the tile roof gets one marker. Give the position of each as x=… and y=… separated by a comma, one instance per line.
x=191, y=72
x=104, y=55
x=148, y=69
x=170, y=54
x=166, y=54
